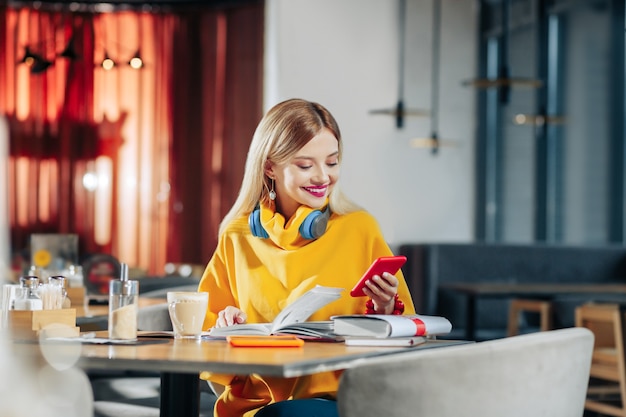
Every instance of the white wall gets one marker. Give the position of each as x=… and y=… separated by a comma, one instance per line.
x=344, y=55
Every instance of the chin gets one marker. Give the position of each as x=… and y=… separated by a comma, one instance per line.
x=315, y=203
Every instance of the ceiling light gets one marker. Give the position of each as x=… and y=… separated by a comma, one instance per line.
x=39, y=65
x=28, y=57
x=136, y=62
x=433, y=143
x=107, y=63
x=537, y=119
x=502, y=82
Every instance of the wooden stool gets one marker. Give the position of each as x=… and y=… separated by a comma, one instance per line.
x=608, y=362
x=517, y=306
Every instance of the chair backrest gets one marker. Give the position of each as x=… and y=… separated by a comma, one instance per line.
x=608, y=363
x=539, y=374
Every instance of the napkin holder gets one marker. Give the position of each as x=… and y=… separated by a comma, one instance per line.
x=25, y=324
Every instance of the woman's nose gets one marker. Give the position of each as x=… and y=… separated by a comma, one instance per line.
x=321, y=174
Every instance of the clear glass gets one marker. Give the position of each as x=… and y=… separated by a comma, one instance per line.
x=187, y=312
x=123, y=307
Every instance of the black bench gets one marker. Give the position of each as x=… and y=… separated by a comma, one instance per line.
x=430, y=265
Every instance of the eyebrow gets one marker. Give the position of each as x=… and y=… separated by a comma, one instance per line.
x=311, y=158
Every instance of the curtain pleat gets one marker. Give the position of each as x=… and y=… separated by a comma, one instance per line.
x=226, y=56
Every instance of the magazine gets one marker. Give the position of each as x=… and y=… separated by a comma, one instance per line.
x=387, y=325
x=292, y=320
x=385, y=341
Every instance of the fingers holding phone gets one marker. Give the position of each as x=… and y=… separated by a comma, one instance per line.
x=383, y=286
x=386, y=264
x=382, y=290
x=379, y=284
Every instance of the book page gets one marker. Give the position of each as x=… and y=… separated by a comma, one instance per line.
x=296, y=312
x=302, y=308
x=311, y=330
x=253, y=329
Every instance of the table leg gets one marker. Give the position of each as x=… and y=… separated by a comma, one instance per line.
x=470, y=319
x=180, y=395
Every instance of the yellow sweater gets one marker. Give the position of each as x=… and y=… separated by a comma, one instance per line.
x=262, y=276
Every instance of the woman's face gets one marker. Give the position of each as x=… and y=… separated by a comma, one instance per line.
x=308, y=178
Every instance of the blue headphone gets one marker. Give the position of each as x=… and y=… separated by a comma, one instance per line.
x=313, y=226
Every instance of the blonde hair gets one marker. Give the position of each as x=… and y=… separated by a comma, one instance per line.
x=282, y=132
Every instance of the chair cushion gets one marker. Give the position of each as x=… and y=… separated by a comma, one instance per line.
x=155, y=317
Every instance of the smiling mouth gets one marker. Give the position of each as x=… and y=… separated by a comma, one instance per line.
x=316, y=191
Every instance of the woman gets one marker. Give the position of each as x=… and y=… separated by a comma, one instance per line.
x=291, y=228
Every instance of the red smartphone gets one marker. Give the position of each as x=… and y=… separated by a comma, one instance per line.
x=389, y=264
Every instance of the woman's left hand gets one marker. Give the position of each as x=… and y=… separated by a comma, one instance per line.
x=382, y=290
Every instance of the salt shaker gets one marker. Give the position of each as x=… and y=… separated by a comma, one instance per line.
x=29, y=299
x=123, y=306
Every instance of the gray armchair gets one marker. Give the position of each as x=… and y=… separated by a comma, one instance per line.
x=540, y=374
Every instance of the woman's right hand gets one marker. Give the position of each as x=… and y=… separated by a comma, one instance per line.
x=229, y=316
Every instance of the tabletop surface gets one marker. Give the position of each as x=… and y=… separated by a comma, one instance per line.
x=184, y=356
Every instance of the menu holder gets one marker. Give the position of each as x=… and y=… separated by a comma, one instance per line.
x=25, y=324
x=53, y=251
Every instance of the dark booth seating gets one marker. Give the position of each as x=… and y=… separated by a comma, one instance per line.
x=430, y=265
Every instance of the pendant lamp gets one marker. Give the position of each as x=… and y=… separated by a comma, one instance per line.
x=399, y=111
x=40, y=65
x=504, y=82
x=433, y=142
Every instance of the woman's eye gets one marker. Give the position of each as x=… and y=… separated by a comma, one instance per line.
x=332, y=164
x=305, y=167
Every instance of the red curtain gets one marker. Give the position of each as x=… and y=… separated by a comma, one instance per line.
x=50, y=114
x=141, y=164
x=217, y=116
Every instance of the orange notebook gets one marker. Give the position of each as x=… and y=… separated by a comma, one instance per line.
x=265, y=341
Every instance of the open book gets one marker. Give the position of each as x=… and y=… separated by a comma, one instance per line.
x=292, y=320
x=382, y=325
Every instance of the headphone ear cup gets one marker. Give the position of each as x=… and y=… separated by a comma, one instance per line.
x=314, y=225
x=254, y=221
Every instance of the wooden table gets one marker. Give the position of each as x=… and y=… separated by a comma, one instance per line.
x=180, y=362
x=475, y=290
